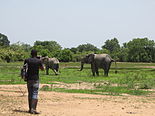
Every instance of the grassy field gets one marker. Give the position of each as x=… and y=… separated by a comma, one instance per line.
x=132, y=78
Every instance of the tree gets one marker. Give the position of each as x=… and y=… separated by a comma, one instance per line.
x=20, y=46
x=64, y=55
x=48, y=48
x=9, y=55
x=21, y=51
x=50, y=45
x=4, y=40
x=87, y=47
x=141, y=50
x=74, y=50
x=112, y=45
x=26, y=47
x=123, y=54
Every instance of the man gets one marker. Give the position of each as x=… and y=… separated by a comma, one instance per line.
x=34, y=64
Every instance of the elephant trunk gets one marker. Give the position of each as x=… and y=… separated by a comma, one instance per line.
x=81, y=66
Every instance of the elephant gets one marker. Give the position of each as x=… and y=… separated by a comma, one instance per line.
x=51, y=63
x=98, y=61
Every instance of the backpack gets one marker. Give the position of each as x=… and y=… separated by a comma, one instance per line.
x=24, y=72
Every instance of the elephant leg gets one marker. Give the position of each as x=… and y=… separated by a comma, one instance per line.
x=93, y=69
x=55, y=69
x=104, y=68
x=97, y=73
x=47, y=71
x=107, y=69
x=55, y=72
x=105, y=74
x=96, y=70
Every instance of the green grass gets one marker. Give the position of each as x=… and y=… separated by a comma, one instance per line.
x=132, y=78
x=102, y=91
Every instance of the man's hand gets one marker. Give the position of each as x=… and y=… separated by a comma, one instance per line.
x=42, y=68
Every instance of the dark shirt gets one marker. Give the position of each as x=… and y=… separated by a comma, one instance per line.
x=33, y=68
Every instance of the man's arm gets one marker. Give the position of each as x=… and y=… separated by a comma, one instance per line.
x=41, y=66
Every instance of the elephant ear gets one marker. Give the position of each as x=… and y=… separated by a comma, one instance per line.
x=46, y=58
x=84, y=59
x=91, y=58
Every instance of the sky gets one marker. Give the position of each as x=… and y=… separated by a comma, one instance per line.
x=74, y=22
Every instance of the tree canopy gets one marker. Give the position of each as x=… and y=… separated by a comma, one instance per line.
x=87, y=47
x=141, y=50
x=136, y=50
x=47, y=47
x=4, y=40
x=112, y=45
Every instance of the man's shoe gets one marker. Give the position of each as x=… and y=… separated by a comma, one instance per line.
x=30, y=102
x=33, y=106
x=34, y=112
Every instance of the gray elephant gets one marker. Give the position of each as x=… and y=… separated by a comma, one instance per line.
x=98, y=61
x=51, y=63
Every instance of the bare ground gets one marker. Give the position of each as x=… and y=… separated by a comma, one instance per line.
x=13, y=102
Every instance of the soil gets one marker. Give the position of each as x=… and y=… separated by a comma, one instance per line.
x=13, y=102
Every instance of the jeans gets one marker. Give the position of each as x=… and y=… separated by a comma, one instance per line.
x=33, y=87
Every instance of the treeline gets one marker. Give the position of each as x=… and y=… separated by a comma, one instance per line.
x=136, y=50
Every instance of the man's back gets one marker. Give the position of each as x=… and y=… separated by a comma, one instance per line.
x=33, y=68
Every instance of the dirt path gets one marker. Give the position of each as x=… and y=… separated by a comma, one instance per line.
x=14, y=103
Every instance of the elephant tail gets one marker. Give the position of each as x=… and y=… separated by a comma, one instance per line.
x=115, y=66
